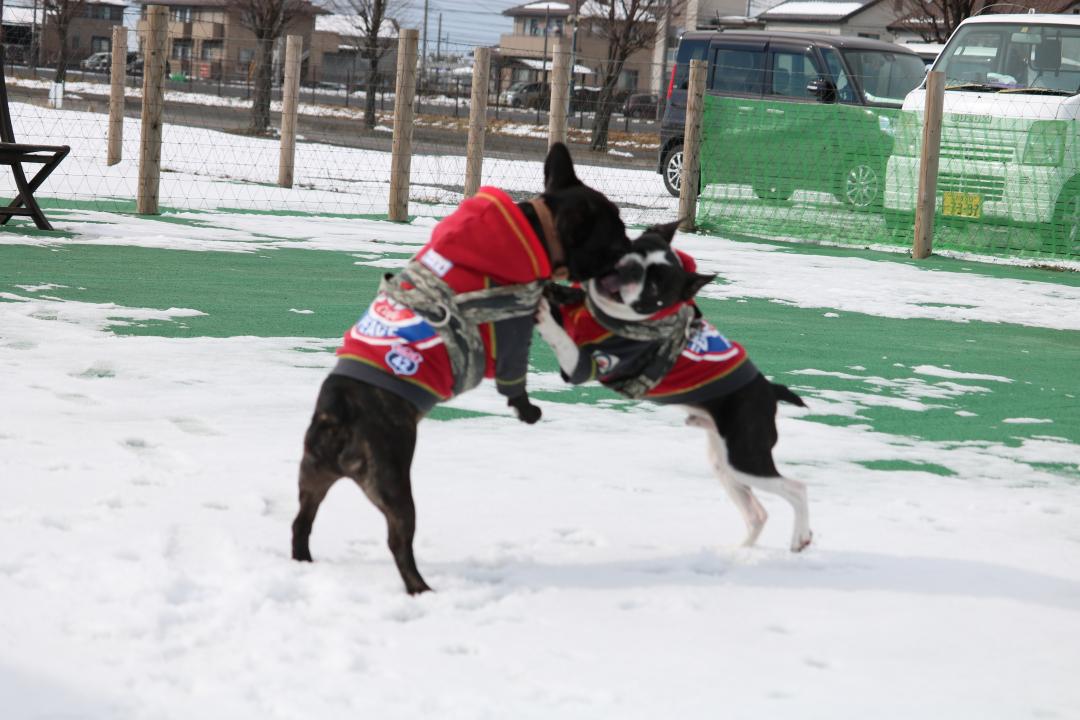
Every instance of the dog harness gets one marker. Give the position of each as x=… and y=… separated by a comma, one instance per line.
x=674, y=356
x=461, y=310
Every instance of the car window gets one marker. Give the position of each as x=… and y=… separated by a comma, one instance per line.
x=1016, y=57
x=973, y=55
x=792, y=70
x=886, y=78
x=688, y=50
x=845, y=91
x=737, y=70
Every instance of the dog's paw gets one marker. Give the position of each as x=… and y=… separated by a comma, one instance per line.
x=800, y=543
x=526, y=411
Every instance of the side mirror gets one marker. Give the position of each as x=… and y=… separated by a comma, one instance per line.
x=823, y=89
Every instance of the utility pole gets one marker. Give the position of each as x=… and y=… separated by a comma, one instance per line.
x=543, y=72
x=547, y=22
x=423, y=50
x=438, y=44
x=33, y=61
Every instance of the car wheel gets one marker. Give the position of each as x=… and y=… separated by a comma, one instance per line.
x=860, y=186
x=1063, y=234
x=673, y=168
x=773, y=191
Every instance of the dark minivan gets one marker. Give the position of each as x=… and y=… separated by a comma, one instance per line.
x=780, y=111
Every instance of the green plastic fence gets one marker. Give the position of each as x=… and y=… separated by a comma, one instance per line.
x=813, y=171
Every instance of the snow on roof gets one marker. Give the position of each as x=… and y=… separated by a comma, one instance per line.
x=539, y=65
x=814, y=9
x=546, y=6
x=22, y=16
x=351, y=26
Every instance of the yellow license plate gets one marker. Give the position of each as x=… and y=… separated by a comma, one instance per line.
x=961, y=204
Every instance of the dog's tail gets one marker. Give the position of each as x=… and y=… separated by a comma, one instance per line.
x=784, y=394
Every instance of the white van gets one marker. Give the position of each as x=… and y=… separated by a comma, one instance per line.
x=1009, y=138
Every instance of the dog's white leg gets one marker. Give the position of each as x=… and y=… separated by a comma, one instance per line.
x=752, y=512
x=566, y=352
x=791, y=490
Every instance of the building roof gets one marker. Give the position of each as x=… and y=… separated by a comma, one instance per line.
x=535, y=64
x=350, y=26
x=22, y=15
x=817, y=10
x=539, y=8
x=308, y=6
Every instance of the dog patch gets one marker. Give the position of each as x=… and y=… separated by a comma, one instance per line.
x=436, y=263
x=708, y=344
x=389, y=322
x=403, y=360
x=604, y=363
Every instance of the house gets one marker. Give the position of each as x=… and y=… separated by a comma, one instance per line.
x=336, y=55
x=861, y=18
x=87, y=34
x=526, y=53
x=207, y=39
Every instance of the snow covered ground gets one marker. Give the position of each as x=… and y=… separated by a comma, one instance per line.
x=586, y=567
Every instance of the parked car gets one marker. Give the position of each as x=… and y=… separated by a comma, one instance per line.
x=98, y=62
x=102, y=62
x=1010, y=141
x=526, y=94
x=795, y=111
x=641, y=105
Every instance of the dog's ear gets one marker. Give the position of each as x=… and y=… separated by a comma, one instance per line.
x=559, y=169
x=666, y=231
x=694, y=283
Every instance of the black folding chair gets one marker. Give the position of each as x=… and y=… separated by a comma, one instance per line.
x=15, y=154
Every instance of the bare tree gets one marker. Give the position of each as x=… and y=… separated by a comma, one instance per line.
x=628, y=26
x=268, y=20
x=935, y=20
x=60, y=14
x=377, y=21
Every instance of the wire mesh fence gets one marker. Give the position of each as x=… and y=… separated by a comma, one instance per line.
x=214, y=157
x=785, y=162
x=783, y=155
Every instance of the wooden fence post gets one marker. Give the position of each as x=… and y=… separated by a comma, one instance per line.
x=152, y=110
x=928, y=165
x=474, y=154
x=560, y=92
x=116, y=94
x=691, y=169
x=401, y=150
x=290, y=99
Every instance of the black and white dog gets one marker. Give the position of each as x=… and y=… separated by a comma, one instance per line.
x=461, y=310
x=638, y=332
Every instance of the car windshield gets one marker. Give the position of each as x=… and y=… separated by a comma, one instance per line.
x=885, y=77
x=1007, y=57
